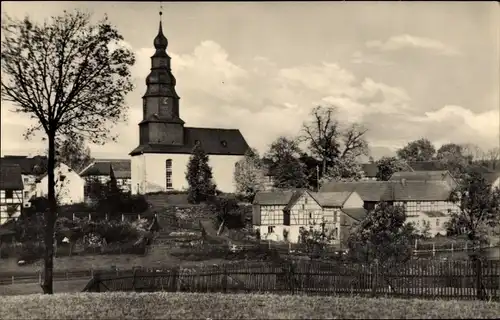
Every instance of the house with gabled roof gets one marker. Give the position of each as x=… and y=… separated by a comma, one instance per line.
x=103, y=169
x=31, y=170
x=417, y=197
x=279, y=214
x=69, y=185
x=11, y=191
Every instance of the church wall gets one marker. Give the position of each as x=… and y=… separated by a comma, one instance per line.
x=149, y=172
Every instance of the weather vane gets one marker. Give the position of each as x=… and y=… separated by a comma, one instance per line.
x=161, y=9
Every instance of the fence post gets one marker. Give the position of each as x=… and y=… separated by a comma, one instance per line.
x=224, y=279
x=97, y=282
x=74, y=217
x=291, y=278
x=479, y=276
x=374, y=278
x=12, y=279
x=133, y=280
x=90, y=216
x=123, y=217
x=433, y=249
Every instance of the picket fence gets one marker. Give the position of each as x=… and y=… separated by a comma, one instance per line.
x=417, y=278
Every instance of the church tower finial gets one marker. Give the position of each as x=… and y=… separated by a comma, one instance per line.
x=160, y=41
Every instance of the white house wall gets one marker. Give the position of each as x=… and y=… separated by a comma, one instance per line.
x=437, y=225
x=69, y=191
x=149, y=172
x=353, y=201
x=30, y=189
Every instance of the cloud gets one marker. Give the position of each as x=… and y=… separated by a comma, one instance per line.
x=359, y=57
x=264, y=101
x=405, y=41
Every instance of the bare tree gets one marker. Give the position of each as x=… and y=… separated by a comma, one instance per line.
x=73, y=153
x=328, y=141
x=71, y=77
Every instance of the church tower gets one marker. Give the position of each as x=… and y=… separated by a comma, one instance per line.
x=161, y=123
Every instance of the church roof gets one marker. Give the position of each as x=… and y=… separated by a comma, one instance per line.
x=213, y=141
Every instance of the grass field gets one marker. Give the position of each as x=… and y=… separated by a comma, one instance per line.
x=227, y=306
x=33, y=288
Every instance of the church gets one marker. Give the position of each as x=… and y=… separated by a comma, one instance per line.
x=159, y=162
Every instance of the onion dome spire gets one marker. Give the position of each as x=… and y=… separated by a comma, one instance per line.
x=160, y=41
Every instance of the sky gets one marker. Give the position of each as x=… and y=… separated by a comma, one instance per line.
x=405, y=70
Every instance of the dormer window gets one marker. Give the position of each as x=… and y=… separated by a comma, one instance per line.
x=224, y=143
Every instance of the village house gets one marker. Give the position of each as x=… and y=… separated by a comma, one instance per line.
x=11, y=192
x=279, y=215
x=102, y=170
x=31, y=170
x=422, y=200
x=69, y=186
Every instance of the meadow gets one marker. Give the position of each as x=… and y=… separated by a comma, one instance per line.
x=163, y=305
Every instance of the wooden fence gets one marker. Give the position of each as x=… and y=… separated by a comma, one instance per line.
x=425, y=279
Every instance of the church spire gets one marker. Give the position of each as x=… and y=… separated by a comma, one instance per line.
x=160, y=41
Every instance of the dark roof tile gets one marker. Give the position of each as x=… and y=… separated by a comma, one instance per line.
x=121, y=168
x=357, y=214
x=393, y=191
x=30, y=166
x=213, y=141
x=11, y=177
x=331, y=199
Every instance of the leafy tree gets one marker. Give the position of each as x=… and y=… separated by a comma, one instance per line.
x=383, y=236
x=418, y=150
x=228, y=213
x=286, y=168
x=249, y=175
x=199, y=176
x=345, y=169
x=327, y=141
x=479, y=207
x=387, y=166
x=73, y=153
x=71, y=76
x=316, y=239
x=454, y=159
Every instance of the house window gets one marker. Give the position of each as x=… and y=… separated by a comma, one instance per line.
x=26, y=194
x=9, y=194
x=305, y=200
x=26, y=180
x=270, y=229
x=303, y=206
x=310, y=215
x=168, y=172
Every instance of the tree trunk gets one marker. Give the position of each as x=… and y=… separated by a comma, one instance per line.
x=50, y=219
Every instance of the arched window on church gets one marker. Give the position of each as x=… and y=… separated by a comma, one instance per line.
x=168, y=176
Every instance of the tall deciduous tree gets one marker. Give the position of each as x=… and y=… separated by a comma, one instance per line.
x=199, y=176
x=71, y=76
x=286, y=168
x=418, y=150
x=249, y=174
x=479, y=207
x=329, y=141
x=387, y=166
